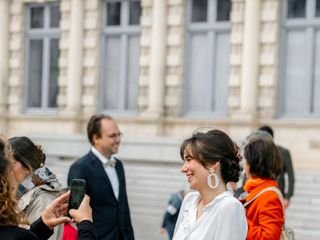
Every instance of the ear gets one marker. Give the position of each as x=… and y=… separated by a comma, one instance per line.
x=95, y=138
x=213, y=165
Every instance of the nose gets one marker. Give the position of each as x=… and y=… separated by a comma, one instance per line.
x=184, y=168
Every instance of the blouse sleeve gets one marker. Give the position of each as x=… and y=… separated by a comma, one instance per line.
x=180, y=216
x=232, y=222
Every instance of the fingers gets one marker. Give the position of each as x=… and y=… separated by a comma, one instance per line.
x=60, y=200
x=60, y=220
x=85, y=201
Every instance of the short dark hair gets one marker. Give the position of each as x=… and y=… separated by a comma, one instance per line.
x=94, y=125
x=263, y=158
x=267, y=129
x=211, y=147
x=27, y=152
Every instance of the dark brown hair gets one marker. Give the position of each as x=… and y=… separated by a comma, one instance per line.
x=9, y=214
x=26, y=152
x=263, y=158
x=211, y=147
x=94, y=126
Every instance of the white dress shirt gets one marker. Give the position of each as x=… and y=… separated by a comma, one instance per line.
x=110, y=171
x=223, y=218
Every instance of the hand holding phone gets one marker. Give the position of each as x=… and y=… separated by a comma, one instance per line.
x=78, y=190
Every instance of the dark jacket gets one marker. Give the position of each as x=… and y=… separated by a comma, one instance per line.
x=172, y=212
x=39, y=231
x=287, y=169
x=111, y=216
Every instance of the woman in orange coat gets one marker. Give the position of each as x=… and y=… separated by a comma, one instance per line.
x=262, y=166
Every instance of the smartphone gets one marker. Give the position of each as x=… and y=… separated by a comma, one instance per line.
x=77, y=192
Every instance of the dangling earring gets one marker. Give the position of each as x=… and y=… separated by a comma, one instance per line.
x=216, y=179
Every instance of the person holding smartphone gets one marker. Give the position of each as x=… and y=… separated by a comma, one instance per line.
x=54, y=214
x=105, y=178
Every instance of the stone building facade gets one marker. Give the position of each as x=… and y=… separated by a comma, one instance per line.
x=254, y=37
x=163, y=68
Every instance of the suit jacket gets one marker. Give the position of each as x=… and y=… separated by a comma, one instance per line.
x=287, y=168
x=111, y=217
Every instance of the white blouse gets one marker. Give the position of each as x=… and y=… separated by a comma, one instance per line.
x=222, y=219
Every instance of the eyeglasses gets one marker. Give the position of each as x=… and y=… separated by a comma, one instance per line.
x=116, y=135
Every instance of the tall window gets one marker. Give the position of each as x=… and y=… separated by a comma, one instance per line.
x=207, y=56
x=42, y=54
x=299, y=83
x=120, y=58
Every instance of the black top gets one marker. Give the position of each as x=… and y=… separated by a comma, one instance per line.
x=39, y=231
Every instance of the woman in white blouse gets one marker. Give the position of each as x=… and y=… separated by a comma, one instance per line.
x=210, y=212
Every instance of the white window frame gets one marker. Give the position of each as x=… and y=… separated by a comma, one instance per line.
x=45, y=34
x=309, y=24
x=125, y=31
x=212, y=27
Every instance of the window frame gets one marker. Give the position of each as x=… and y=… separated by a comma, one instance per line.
x=309, y=24
x=124, y=31
x=46, y=34
x=212, y=28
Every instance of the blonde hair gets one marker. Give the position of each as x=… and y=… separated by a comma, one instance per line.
x=9, y=213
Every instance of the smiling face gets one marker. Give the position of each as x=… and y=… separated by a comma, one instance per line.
x=109, y=141
x=195, y=172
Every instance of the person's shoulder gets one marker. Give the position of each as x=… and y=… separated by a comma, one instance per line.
x=83, y=160
x=283, y=149
x=193, y=195
x=230, y=205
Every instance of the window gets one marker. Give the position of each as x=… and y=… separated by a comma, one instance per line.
x=120, y=58
x=299, y=83
x=207, y=55
x=42, y=54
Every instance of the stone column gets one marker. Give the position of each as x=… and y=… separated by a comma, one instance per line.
x=157, y=60
x=250, y=60
x=75, y=61
x=4, y=62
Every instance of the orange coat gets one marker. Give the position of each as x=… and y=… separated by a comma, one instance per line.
x=265, y=214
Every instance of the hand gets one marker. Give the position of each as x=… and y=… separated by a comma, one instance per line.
x=53, y=215
x=286, y=203
x=37, y=181
x=84, y=212
x=162, y=231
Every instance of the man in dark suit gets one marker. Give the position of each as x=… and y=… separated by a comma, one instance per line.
x=105, y=178
x=287, y=169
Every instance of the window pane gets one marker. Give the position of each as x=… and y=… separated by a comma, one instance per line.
x=297, y=87
x=54, y=72
x=316, y=88
x=318, y=8
x=133, y=73
x=223, y=10
x=222, y=58
x=54, y=16
x=35, y=73
x=197, y=73
x=112, y=70
x=199, y=10
x=113, y=13
x=135, y=13
x=296, y=8
x=36, y=20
